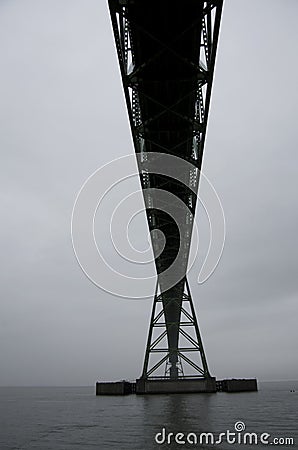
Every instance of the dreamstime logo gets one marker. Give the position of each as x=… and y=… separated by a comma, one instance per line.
x=96, y=204
x=237, y=436
x=239, y=426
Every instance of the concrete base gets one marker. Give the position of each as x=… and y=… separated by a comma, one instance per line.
x=194, y=385
x=180, y=386
x=117, y=388
x=237, y=385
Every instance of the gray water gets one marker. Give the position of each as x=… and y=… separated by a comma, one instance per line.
x=74, y=418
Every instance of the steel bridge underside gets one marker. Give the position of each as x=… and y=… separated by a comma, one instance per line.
x=166, y=51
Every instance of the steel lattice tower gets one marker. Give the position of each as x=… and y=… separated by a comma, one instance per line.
x=166, y=51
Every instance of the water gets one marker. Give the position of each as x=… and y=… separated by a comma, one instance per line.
x=74, y=418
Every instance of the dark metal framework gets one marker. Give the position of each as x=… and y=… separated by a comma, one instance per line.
x=166, y=51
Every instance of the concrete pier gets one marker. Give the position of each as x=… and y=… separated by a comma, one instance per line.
x=194, y=385
x=179, y=386
x=237, y=385
x=115, y=388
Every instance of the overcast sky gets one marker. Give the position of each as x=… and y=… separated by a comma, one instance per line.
x=63, y=116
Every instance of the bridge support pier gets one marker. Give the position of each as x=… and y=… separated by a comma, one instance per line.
x=178, y=386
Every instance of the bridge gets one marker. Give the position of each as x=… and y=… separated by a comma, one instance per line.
x=166, y=51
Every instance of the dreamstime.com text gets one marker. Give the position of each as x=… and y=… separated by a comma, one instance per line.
x=238, y=436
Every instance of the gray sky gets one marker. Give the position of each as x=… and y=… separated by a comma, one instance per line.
x=63, y=116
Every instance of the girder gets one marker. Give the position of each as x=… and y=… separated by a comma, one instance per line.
x=166, y=52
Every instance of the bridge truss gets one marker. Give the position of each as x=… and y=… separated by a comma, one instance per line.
x=166, y=51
